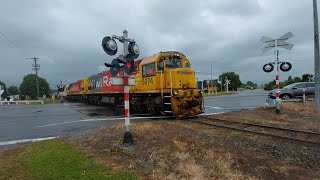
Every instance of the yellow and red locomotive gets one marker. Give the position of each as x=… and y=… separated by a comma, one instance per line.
x=164, y=84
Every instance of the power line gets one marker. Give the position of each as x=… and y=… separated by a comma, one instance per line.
x=7, y=38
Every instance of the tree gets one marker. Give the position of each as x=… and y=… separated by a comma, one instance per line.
x=5, y=90
x=297, y=79
x=306, y=77
x=13, y=90
x=289, y=81
x=269, y=86
x=250, y=85
x=233, y=77
x=29, y=86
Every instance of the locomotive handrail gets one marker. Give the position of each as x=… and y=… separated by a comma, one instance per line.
x=171, y=81
x=161, y=84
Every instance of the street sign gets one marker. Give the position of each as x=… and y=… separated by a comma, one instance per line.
x=208, y=81
x=270, y=43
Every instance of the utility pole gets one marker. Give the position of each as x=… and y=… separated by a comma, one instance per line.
x=316, y=56
x=210, y=79
x=221, y=84
x=36, y=67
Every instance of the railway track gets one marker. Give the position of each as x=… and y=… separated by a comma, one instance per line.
x=265, y=130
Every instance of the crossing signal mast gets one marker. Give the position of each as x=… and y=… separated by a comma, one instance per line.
x=227, y=84
x=1, y=92
x=126, y=62
x=61, y=90
x=270, y=43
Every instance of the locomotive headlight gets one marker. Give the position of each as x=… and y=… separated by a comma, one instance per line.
x=175, y=92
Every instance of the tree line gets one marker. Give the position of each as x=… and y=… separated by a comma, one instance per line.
x=235, y=82
x=28, y=88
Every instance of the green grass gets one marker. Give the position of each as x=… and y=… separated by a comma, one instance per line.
x=55, y=159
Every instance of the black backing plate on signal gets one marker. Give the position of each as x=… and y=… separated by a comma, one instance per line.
x=282, y=66
x=266, y=70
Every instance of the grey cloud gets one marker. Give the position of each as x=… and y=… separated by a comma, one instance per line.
x=67, y=35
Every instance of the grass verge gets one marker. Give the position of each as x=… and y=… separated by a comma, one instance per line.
x=54, y=159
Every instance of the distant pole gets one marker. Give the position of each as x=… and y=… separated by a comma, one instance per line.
x=316, y=57
x=1, y=91
x=211, y=78
x=36, y=67
x=221, y=84
x=61, y=94
x=227, y=86
x=277, y=80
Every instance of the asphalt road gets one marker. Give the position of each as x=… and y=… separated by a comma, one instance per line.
x=30, y=122
x=241, y=100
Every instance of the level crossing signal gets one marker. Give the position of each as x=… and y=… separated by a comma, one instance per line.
x=284, y=66
x=60, y=88
x=109, y=45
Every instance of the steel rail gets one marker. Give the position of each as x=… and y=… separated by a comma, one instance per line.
x=226, y=126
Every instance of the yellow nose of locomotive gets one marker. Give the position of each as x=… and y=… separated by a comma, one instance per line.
x=181, y=78
x=186, y=99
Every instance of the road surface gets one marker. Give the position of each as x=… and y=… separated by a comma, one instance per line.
x=29, y=122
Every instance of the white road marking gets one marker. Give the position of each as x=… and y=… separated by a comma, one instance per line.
x=206, y=114
x=122, y=118
x=214, y=107
x=24, y=141
x=210, y=100
x=101, y=119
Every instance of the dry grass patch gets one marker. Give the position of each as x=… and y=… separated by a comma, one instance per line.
x=298, y=107
x=146, y=126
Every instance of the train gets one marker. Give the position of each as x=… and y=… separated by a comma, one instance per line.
x=165, y=84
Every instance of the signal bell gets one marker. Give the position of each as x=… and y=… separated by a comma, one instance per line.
x=114, y=67
x=109, y=45
x=134, y=50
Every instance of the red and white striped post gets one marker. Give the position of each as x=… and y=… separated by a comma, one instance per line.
x=127, y=136
x=126, y=91
x=277, y=80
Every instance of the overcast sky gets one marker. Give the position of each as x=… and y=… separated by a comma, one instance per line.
x=66, y=35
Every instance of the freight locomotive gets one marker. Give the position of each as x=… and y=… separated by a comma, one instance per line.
x=164, y=84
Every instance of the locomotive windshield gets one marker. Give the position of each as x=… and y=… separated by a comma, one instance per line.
x=174, y=63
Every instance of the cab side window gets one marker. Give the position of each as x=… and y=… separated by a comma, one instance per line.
x=187, y=65
x=160, y=66
x=148, y=70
